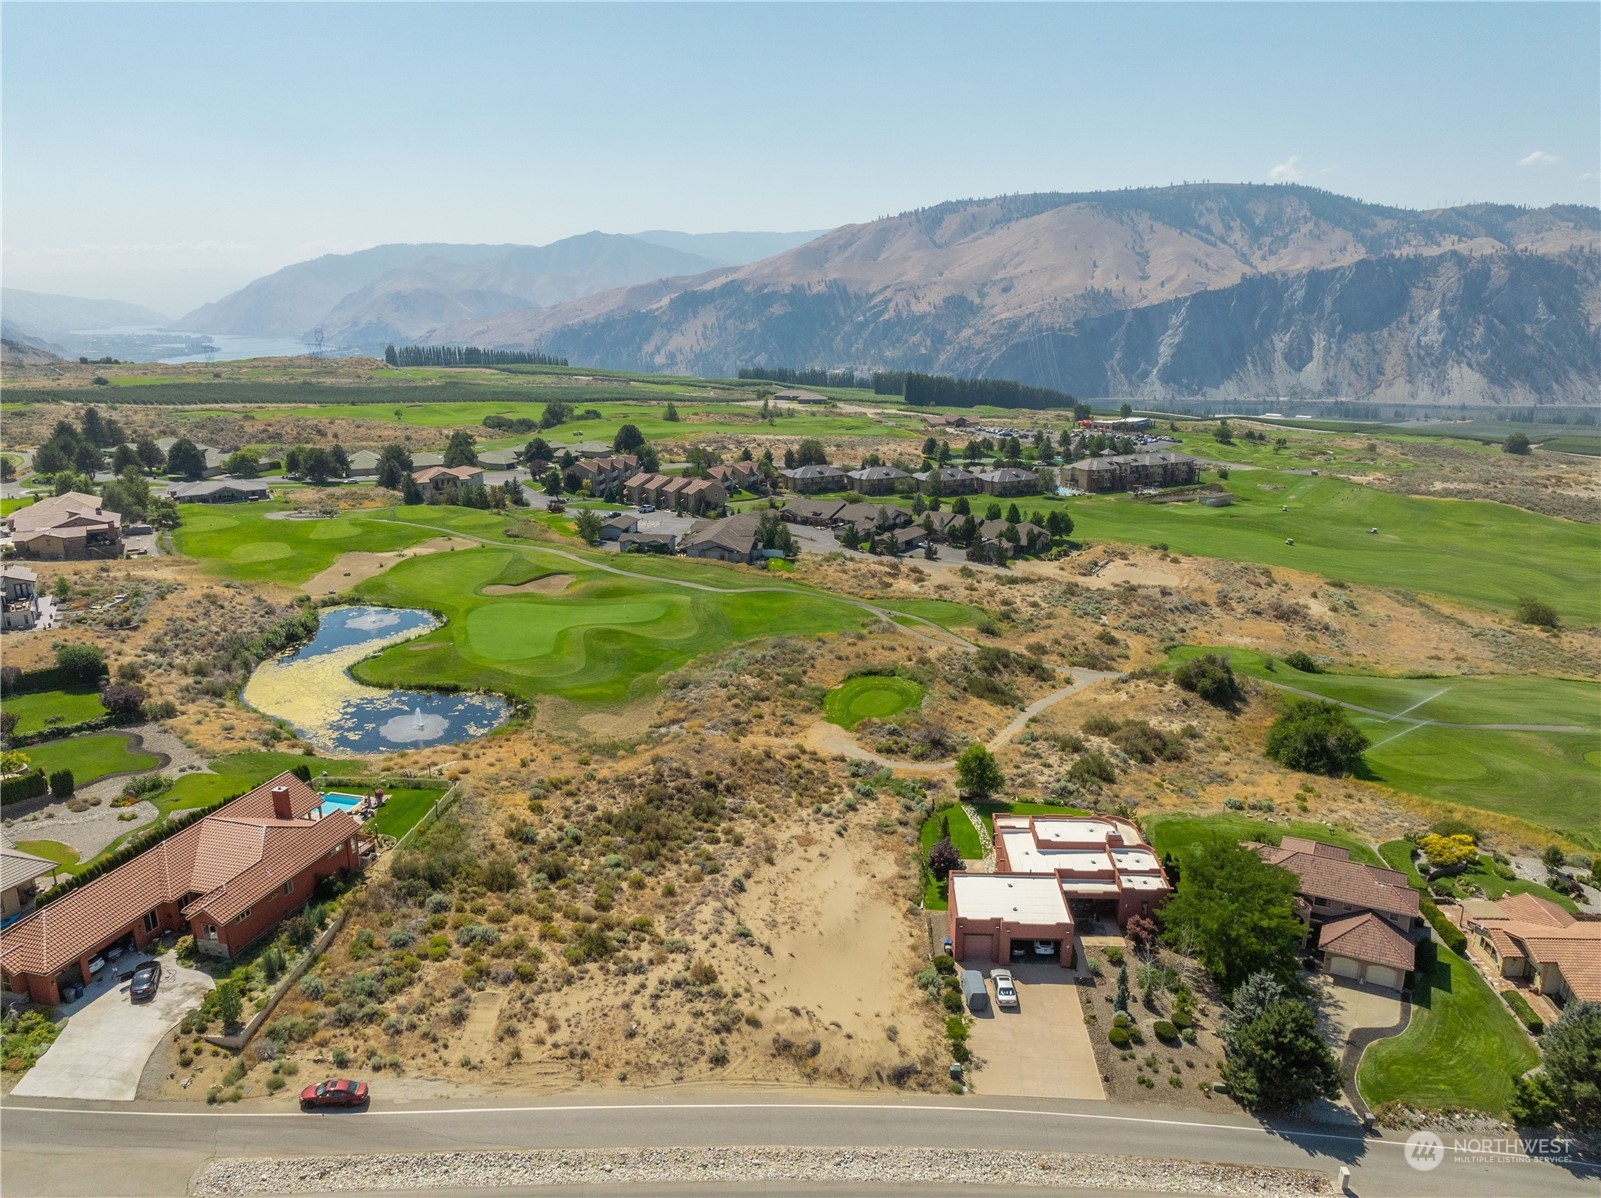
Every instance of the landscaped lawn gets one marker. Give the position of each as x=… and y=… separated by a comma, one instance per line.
x=1175, y=833
x=867, y=697
x=235, y=774
x=242, y=543
x=964, y=838
x=605, y=639
x=73, y=706
x=50, y=850
x=403, y=809
x=1397, y=855
x=1546, y=778
x=1462, y=1048
x=989, y=809
x=1421, y=544
x=88, y=757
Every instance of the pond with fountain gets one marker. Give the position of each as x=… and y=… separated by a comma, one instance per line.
x=311, y=689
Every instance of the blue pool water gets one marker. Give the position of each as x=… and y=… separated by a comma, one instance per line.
x=334, y=801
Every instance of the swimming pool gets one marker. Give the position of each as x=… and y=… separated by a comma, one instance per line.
x=335, y=801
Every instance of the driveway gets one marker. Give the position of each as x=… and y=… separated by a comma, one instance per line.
x=1039, y=1048
x=103, y=1049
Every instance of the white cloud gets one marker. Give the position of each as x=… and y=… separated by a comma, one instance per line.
x=1287, y=171
x=1588, y=175
x=1539, y=158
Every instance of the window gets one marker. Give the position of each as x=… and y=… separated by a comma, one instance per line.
x=1319, y=902
x=211, y=931
x=289, y=886
x=242, y=916
x=151, y=921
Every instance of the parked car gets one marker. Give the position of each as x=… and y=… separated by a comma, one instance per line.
x=1019, y=949
x=96, y=964
x=146, y=979
x=1005, y=991
x=645, y=509
x=341, y=1092
x=1045, y=948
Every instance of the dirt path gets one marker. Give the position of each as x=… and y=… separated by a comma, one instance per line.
x=478, y=1034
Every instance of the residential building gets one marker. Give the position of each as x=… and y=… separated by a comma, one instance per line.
x=817, y=512
x=640, y=489
x=987, y=912
x=221, y=490
x=908, y=540
x=614, y=527
x=226, y=879
x=19, y=882
x=736, y=474
x=1009, y=480
x=1332, y=886
x=1366, y=948
x=647, y=542
x=1031, y=538
x=499, y=459
x=601, y=474
x=876, y=480
x=949, y=480
x=869, y=517
x=19, y=590
x=69, y=527
x=1130, y=471
x=364, y=464
x=808, y=480
x=1098, y=860
x=732, y=539
x=1526, y=936
x=434, y=480
x=800, y=397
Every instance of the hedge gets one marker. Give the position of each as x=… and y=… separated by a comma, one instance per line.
x=1525, y=1013
x=60, y=731
x=1447, y=931
x=24, y=786
x=51, y=678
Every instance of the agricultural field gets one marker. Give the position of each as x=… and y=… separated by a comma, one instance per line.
x=872, y=696
x=1461, y=1049
x=1549, y=778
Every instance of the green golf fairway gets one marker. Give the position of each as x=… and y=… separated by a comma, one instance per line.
x=870, y=697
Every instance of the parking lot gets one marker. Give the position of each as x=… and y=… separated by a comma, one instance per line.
x=103, y=1049
x=1039, y=1048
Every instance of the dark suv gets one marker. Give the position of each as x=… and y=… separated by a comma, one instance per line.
x=146, y=978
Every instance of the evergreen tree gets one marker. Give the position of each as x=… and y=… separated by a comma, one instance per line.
x=185, y=459
x=460, y=451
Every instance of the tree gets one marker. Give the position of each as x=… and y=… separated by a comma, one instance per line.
x=810, y=452
x=553, y=482
x=1517, y=443
x=81, y=663
x=230, y=1003
x=1211, y=677
x=670, y=413
x=129, y=495
x=244, y=463
x=650, y=461
x=410, y=493
x=393, y=463
x=390, y=356
x=124, y=456
x=588, y=523
x=1141, y=932
x=1316, y=736
x=628, y=439
x=512, y=489
x=185, y=458
x=943, y=858
x=977, y=772
x=1536, y=612
x=538, y=450
x=1126, y=411
x=1278, y=1060
x=123, y=701
x=961, y=507
x=150, y=455
x=8, y=469
x=1013, y=516
x=1120, y=999
x=1573, y=1064
x=61, y=784
x=1236, y=912
x=1251, y=997
x=459, y=449
x=1223, y=434
x=1552, y=855
x=317, y=464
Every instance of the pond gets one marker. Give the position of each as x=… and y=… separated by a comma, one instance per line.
x=312, y=691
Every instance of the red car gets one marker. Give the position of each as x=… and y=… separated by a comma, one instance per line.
x=338, y=1093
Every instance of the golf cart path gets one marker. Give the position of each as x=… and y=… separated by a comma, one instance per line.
x=1412, y=719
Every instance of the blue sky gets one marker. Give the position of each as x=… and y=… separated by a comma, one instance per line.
x=141, y=141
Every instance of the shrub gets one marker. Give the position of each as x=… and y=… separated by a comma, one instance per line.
x=1525, y=1013
x=1119, y=1036
x=61, y=784
x=1537, y=612
x=1211, y=677
x=1448, y=932
x=1165, y=1030
x=1316, y=737
x=80, y=663
x=1301, y=660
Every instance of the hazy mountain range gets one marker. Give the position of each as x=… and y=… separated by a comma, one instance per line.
x=1227, y=291
x=45, y=317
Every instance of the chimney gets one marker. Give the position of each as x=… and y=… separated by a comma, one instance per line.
x=281, y=807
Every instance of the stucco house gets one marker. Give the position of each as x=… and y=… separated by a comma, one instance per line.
x=221, y=490
x=434, y=480
x=1009, y=480
x=811, y=479
x=876, y=480
x=20, y=592
x=1526, y=936
x=69, y=527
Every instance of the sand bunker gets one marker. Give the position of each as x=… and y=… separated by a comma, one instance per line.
x=358, y=566
x=550, y=584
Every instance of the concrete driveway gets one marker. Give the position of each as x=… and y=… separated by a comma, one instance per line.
x=1039, y=1048
x=103, y=1049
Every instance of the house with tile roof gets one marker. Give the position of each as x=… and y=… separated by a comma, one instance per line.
x=434, y=480
x=1367, y=949
x=68, y=527
x=227, y=879
x=1526, y=936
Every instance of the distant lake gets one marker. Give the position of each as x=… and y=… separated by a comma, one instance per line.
x=143, y=343
x=234, y=349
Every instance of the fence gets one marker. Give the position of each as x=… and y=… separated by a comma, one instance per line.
x=441, y=804
x=239, y=1039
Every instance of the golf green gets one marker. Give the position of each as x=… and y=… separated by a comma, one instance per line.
x=870, y=697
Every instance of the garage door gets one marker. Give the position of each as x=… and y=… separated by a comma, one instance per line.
x=980, y=947
x=1344, y=967
x=1384, y=975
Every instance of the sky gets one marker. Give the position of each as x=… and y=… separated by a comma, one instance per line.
x=165, y=154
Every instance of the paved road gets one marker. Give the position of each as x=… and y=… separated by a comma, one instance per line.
x=153, y=1149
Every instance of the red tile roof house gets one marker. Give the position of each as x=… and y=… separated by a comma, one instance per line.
x=435, y=479
x=1363, y=916
x=226, y=879
x=1041, y=864
x=1531, y=937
